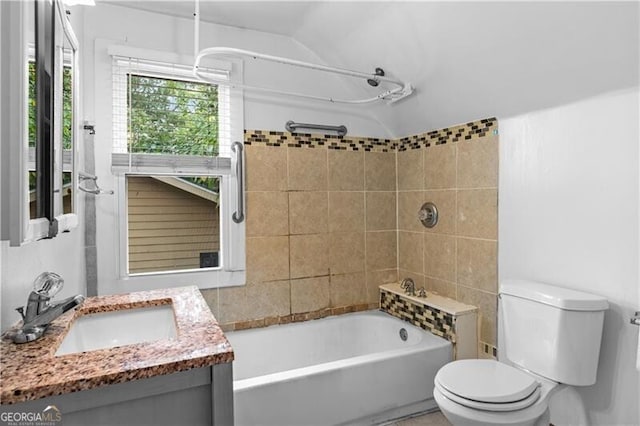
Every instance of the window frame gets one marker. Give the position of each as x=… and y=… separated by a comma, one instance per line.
x=232, y=269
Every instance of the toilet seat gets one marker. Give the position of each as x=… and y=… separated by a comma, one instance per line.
x=487, y=385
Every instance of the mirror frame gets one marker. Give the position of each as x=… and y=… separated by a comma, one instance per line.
x=16, y=225
x=65, y=222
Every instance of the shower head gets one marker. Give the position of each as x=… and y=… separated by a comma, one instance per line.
x=373, y=81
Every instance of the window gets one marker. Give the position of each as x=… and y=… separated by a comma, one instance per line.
x=171, y=154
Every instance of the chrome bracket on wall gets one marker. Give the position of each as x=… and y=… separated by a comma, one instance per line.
x=636, y=318
x=428, y=215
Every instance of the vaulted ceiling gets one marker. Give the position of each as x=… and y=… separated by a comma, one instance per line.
x=467, y=60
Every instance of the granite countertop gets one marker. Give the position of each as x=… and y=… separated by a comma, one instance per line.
x=31, y=371
x=442, y=303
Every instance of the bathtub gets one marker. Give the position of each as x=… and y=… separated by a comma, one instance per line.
x=347, y=369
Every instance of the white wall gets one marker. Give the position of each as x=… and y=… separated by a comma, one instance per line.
x=568, y=214
x=471, y=60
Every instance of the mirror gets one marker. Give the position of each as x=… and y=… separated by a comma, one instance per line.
x=52, y=119
x=44, y=107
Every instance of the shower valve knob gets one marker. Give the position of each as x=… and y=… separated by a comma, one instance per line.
x=428, y=215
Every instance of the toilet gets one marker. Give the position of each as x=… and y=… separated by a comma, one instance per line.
x=549, y=338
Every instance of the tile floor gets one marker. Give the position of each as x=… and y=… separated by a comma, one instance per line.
x=432, y=419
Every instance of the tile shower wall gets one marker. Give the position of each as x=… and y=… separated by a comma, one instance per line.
x=330, y=219
x=321, y=229
x=457, y=169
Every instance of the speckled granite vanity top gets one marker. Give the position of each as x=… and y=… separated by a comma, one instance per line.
x=31, y=371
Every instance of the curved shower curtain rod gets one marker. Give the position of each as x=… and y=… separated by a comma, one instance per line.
x=402, y=89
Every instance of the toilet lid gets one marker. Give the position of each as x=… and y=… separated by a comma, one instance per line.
x=491, y=406
x=487, y=381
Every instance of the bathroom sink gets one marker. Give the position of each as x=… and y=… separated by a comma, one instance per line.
x=119, y=328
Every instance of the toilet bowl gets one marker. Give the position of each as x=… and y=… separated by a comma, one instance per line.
x=481, y=392
x=550, y=339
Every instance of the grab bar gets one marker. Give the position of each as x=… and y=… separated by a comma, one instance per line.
x=291, y=126
x=238, y=215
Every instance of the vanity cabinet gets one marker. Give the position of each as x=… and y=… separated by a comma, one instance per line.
x=201, y=396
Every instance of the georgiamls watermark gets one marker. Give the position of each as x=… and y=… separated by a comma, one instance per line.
x=50, y=416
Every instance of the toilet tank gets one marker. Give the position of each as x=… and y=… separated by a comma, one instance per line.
x=552, y=331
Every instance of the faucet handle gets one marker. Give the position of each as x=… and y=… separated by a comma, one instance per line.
x=48, y=284
x=409, y=286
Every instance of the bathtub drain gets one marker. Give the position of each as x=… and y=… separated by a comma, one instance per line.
x=403, y=334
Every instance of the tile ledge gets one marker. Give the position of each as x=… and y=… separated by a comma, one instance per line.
x=433, y=300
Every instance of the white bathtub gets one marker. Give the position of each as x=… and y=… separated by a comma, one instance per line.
x=347, y=369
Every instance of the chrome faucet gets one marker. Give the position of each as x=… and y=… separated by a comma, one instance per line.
x=40, y=312
x=409, y=286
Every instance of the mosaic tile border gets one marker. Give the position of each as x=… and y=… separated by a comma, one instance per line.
x=468, y=131
x=298, y=317
x=472, y=130
x=312, y=140
x=428, y=318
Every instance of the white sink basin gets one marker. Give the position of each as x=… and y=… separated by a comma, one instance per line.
x=119, y=328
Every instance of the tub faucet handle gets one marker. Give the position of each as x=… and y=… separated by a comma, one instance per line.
x=422, y=292
x=409, y=286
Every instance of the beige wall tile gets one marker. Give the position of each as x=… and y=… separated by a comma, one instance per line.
x=487, y=303
x=478, y=213
x=309, y=255
x=478, y=163
x=307, y=169
x=346, y=170
x=266, y=168
x=267, y=213
x=410, y=251
x=348, y=289
x=381, y=211
x=267, y=259
x=309, y=294
x=381, y=250
x=409, y=204
x=270, y=299
x=346, y=211
x=440, y=166
x=233, y=304
x=346, y=253
x=380, y=171
x=308, y=212
x=477, y=264
x=410, y=170
x=442, y=288
x=440, y=256
x=375, y=279
x=445, y=202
